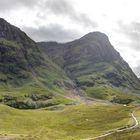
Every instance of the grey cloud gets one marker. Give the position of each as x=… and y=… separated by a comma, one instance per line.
x=132, y=32
x=15, y=4
x=65, y=8
x=62, y=8
x=51, y=33
x=57, y=7
x=137, y=70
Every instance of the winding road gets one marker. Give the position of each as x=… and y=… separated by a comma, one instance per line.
x=118, y=129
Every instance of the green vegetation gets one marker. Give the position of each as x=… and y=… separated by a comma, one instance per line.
x=29, y=71
x=20, y=83
x=29, y=79
x=112, y=94
x=127, y=135
x=33, y=97
x=73, y=122
x=92, y=61
x=58, y=82
x=10, y=43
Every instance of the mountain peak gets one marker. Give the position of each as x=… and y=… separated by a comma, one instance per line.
x=96, y=35
x=4, y=25
x=2, y=20
x=7, y=30
x=11, y=32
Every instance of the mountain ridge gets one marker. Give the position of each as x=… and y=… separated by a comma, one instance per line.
x=34, y=75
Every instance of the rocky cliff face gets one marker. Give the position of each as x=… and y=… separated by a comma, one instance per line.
x=92, y=61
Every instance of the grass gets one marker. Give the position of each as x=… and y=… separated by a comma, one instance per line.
x=109, y=93
x=126, y=135
x=10, y=43
x=71, y=123
x=31, y=96
x=43, y=80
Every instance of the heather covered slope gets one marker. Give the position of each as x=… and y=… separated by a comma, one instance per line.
x=25, y=72
x=92, y=62
x=21, y=58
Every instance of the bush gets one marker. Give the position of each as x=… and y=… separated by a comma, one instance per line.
x=121, y=101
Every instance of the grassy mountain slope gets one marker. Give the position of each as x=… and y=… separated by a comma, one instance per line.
x=25, y=71
x=92, y=62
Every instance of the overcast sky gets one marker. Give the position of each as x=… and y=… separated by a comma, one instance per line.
x=65, y=20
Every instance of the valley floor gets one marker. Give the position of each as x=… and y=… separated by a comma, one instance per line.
x=74, y=122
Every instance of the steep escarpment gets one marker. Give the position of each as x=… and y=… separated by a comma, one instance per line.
x=25, y=73
x=92, y=62
x=20, y=56
x=15, y=58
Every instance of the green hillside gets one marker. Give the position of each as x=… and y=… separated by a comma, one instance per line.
x=26, y=72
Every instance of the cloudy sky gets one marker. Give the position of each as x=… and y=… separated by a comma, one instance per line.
x=65, y=20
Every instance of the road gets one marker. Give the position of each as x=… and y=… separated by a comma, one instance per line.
x=134, y=126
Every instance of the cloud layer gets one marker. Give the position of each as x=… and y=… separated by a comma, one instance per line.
x=132, y=32
x=65, y=8
x=52, y=33
x=137, y=70
x=6, y=5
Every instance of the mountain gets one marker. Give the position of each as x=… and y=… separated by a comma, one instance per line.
x=93, y=64
x=35, y=75
x=77, y=86
x=25, y=72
